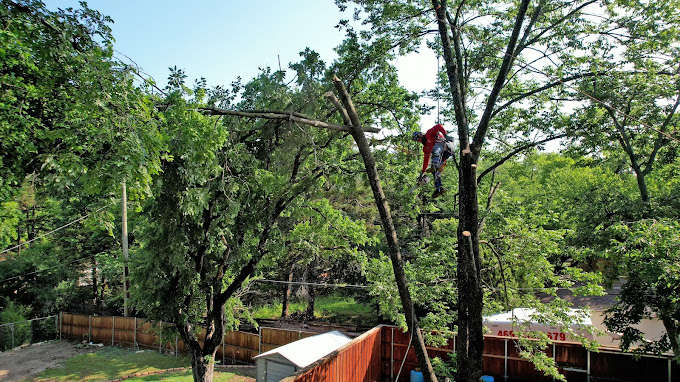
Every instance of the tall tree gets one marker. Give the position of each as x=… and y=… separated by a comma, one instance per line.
x=220, y=199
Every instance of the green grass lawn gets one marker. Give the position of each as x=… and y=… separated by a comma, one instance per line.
x=110, y=363
x=185, y=376
x=336, y=309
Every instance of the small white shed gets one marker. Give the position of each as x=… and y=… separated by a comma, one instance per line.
x=284, y=361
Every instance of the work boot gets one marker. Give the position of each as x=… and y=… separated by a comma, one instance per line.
x=439, y=192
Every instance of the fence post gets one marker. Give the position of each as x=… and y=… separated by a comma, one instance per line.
x=554, y=357
x=223, y=350
x=134, y=341
x=160, y=337
x=113, y=329
x=669, y=370
x=89, y=328
x=60, y=317
x=11, y=328
x=505, y=360
x=259, y=340
x=175, y=345
x=588, y=365
x=392, y=355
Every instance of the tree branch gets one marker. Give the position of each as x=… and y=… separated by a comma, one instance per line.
x=483, y=127
x=517, y=151
x=453, y=69
x=278, y=115
x=660, y=139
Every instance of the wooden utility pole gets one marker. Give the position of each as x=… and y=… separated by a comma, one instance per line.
x=124, y=240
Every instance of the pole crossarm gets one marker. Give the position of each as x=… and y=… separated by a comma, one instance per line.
x=284, y=116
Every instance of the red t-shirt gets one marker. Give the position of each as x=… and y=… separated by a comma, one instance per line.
x=432, y=136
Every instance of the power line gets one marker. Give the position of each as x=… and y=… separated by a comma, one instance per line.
x=341, y=285
x=53, y=231
x=49, y=269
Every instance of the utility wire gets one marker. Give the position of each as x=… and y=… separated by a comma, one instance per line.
x=314, y=284
x=53, y=231
x=50, y=268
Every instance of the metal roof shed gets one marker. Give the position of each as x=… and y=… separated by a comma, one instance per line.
x=284, y=361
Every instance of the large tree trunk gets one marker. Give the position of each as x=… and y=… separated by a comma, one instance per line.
x=350, y=115
x=285, y=298
x=642, y=186
x=203, y=368
x=203, y=358
x=311, y=290
x=95, y=289
x=673, y=334
x=470, y=338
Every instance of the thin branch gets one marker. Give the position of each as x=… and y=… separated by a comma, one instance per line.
x=546, y=87
x=280, y=115
x=489, y=201
x=394, y=115
x=517, y=151
x=661, y=139
x=498, y=257
x=559, y=21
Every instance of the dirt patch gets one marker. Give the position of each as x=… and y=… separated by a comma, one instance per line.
x=29, y=361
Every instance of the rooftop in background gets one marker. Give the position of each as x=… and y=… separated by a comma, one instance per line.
x=596, y=303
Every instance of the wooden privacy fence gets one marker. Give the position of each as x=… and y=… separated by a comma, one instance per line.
x=501, y=360
x=378, y=354
x=140, y=333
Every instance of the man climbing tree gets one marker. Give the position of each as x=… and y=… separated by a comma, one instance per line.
x=435, y=146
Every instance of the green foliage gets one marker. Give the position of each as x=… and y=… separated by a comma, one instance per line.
x=445, y=368
x=70, y=112
x=186, y=376
x=44, y=274
x=333, y=308
x=19, y=332
x=646, y=254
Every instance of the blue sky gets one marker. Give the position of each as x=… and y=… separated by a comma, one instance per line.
x=222, y=40
x=218, y=40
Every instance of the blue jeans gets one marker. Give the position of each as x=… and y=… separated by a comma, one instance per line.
x=436, y=162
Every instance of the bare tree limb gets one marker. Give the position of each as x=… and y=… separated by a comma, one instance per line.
x=283, y=116
x=389, y=230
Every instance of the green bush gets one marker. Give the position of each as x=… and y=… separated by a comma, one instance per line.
x=20, y=332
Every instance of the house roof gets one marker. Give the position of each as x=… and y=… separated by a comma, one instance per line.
x=595, y=303
x=307, y=350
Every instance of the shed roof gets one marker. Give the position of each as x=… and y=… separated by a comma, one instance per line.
x=307, y=350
